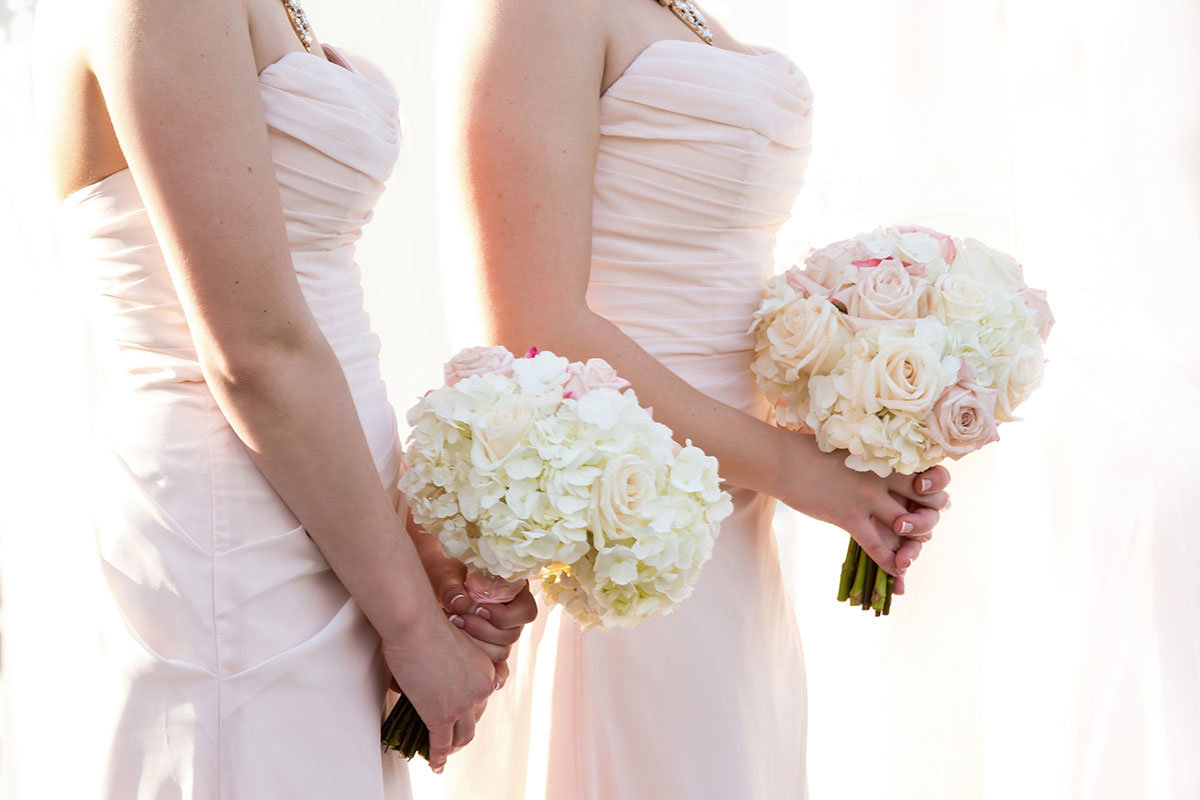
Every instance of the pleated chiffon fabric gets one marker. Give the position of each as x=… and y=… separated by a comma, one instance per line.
x=245, y=668
x=702, y=153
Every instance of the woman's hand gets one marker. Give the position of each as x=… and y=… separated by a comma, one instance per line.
x=493, y=627
x=448, y=681
x=890, y=518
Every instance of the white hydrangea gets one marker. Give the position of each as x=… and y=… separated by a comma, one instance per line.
x=543, y=468
x=873, y=344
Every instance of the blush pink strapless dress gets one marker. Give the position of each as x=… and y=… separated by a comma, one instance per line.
x=244, y=669
x=702, y=153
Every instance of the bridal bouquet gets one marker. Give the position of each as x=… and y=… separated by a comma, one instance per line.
x=903, y=347
x=540, y=468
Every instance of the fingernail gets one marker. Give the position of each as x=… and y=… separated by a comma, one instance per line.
x=906, y=527
x=458, y=621
x=456, y=598
x=483, y=612
x=496, y=686
x=924, y=485
x=438, y=769
x=947, y=506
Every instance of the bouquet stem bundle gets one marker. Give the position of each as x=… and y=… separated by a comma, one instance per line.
x=863, y=583
x=404, y=731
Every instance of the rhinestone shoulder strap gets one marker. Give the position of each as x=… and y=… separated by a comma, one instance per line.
x=299, y=22
x=690, y=15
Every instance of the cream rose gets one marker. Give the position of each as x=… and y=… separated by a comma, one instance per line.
x=944, y=241
x=808, y=335
x=960, y=298
x=622, y=491
x=478, y=361
x=963, y=418
x=497, y=432
x=906, y=374
x=1025, y=375
x=988, y=266
x=888, y=292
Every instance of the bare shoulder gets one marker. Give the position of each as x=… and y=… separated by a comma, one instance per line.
x=535, y=40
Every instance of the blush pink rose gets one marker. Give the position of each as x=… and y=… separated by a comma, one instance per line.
x=599, y=374
x=963, y=418
x=595, y=373
x=1043, y=317
x=478, y=361
x=830, y=267
x=887, y=292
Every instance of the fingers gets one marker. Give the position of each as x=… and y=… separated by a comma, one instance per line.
x=909, y=487
x=898, y=586
x=871, y=538
x=917, y=524
x=521, y=610
x=478, y=628
x=501, y=675
x=441, y=740
x=464, y=731
x=448, y=585
x=907, y=553
x=932, y=480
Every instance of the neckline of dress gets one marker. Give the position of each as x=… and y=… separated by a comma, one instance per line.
x=755, y=52
x=333, y=58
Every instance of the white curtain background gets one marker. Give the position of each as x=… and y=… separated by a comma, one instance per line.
x=1050, y=643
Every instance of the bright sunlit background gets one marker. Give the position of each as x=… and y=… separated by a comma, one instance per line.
x=1050, y=643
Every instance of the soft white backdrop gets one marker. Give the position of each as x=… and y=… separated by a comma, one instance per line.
x=1050, y=644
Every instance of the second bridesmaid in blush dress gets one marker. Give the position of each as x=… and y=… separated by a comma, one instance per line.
x=629, y=211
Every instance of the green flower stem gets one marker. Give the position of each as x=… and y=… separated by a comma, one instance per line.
x=860, y=580
x=849, y=568
x=869, y=584
x=887, y=600
x=880, y=590
x=404, y=730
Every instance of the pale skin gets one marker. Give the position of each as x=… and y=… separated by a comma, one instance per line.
x=169, y=90
x=534, y=75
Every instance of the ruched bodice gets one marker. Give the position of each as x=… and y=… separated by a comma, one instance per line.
x=702, y=153
x=247, y=669
x=334, y=137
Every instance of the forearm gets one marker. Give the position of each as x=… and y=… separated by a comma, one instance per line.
x=299, y=423
x=751, y=452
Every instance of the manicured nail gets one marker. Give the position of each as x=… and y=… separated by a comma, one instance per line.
x=458, y=621
x=906, y=527
x=924, y=485
x=947, y=506
x=456, y=598
x=438, y=769
x=496, y=686
x=483, y=612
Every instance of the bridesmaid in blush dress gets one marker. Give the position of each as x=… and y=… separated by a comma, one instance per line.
x=625, y=170
x=218, y=165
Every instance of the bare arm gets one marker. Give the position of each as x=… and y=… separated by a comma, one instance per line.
x=180, y=83
x=530, y=134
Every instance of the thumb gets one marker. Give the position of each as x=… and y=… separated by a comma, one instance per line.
x=452, y=593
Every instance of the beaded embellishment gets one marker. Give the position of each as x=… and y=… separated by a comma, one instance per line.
x=690, y=15
x=299, y=23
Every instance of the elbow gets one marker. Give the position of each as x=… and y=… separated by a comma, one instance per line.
x=262, y=366
x=545, y=326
